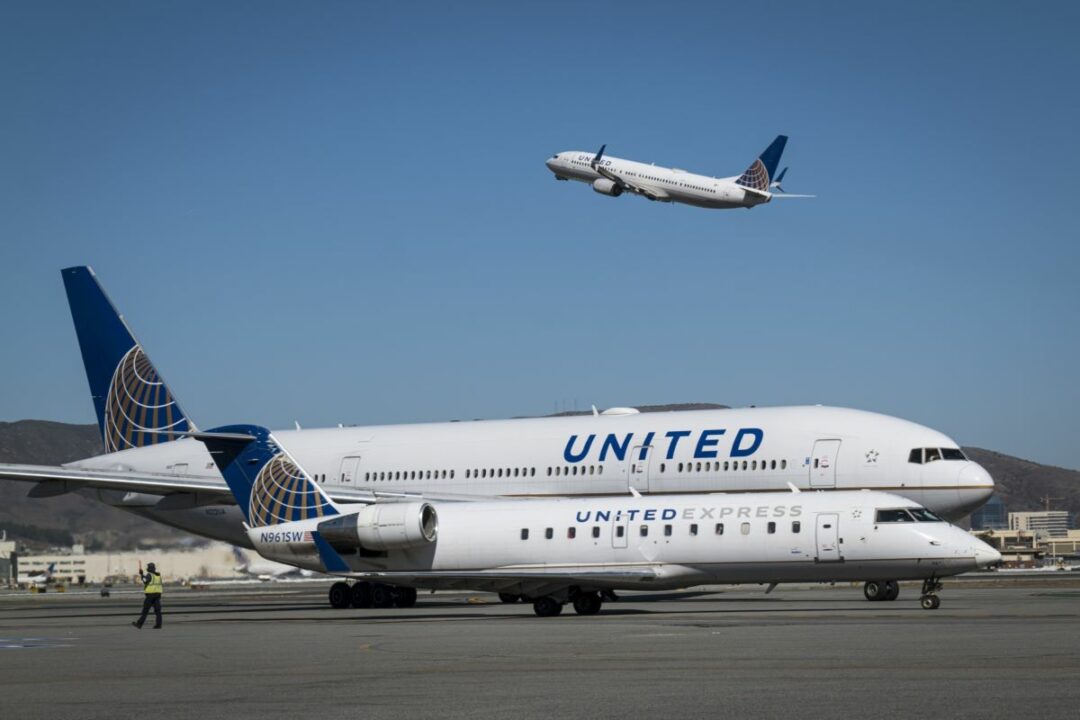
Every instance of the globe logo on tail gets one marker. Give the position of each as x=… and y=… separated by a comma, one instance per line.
x=283, y=493
x=755, y=177
x=139, y=409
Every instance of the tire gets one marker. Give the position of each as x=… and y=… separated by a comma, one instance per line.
x=340, y=595
x=874, y=590
x=588, y=603
x=509, y=598
x=892, y=590
x=405, y=597
x=930, y=602
x=382, y=596
x=937, y=602
x=361, y=595
x=547, y=607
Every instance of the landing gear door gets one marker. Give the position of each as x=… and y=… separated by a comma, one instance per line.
x=637, y=473
x=828, y=538
x=823, y=464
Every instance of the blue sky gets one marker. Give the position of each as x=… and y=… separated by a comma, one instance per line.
x=339, y=212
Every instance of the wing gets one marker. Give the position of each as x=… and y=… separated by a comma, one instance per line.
x=532, y=581
x=177, y=491
x=651, y=193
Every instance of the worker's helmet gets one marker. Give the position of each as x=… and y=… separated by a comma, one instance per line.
x=151, y=567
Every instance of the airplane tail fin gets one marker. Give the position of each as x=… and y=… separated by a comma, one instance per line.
x=760, y=173
x=267, y=483
x=134, y=406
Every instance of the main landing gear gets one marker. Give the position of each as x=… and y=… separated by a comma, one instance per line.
x=585, y=603
x=876, y=590
x=365, y=594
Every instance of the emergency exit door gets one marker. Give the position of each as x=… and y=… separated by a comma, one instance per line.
x=637, y=473
x=823, y=464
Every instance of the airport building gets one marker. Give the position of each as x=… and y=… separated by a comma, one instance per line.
x=215, y=561
x=9, y=562
x=991, y=516
x=1050, y=523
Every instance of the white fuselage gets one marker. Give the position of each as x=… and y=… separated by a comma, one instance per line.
x=681, y=540
x=668, y=184
x=732, y=450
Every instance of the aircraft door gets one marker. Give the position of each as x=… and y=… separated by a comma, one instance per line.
x=637, y=474
x=620, y=530
x=823, y=464
x=828, y=538
x=350, y=468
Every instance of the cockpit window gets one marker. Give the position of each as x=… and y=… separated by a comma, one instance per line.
x=924, y=515
x=928, y=455
x=893, y=516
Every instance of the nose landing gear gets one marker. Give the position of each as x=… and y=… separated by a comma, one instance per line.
x=930, y=588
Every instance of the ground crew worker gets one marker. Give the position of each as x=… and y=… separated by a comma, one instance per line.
x=152, y=588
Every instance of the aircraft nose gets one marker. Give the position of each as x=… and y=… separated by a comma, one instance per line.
x=550, y=162
x=976, y=483
x=985, y=556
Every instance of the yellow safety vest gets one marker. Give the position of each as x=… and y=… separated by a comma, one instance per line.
x=154, y=587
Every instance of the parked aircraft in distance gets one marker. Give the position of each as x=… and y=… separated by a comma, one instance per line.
x=613, y=176
x=147, y=470
x=551, y=552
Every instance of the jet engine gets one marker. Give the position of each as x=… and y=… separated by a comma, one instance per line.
x=607, y=187
x=384, y=526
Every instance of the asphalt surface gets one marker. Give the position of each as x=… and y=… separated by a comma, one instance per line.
x=278, y=650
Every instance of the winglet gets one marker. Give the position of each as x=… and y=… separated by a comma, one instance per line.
x=600, y=154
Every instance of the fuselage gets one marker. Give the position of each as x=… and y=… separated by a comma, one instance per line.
x=729, y=450
x=681, y=540
x=668, y=184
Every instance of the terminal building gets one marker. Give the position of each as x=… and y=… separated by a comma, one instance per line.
x=991, y=516
x=75, y=567
x=1049, y=523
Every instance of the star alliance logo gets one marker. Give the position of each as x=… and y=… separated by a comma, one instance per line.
x=871, y=457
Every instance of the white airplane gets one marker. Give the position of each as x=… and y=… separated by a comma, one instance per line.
x=266, y=570
x=40, y=579
x=148, y=471
x=575, y=549
x=613, y=176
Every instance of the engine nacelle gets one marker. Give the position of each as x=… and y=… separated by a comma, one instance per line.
x=607, y=187
x=384, y=526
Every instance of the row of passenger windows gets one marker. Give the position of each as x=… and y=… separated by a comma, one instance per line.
x=668, y=530
x=563, y=470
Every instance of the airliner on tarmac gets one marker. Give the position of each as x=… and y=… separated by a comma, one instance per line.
x=151, y=469
x=613, y=176
x=551, y=552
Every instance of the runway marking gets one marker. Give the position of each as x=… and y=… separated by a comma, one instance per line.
x=31, y=643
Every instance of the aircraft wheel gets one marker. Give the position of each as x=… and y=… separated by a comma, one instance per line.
x=874, y=590
x=382, y=596
x=892, y=590
x=361, y=594
x=509, y=598
x=340, y=595
x=930, y=602
x=588, y=603
x=547, y=607
x=405, y=597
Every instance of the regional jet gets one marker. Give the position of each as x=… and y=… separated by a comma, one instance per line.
x=151, y=467
x=613, y=176
x=551, y=552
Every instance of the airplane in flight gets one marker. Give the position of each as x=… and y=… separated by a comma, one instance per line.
x=614, y=176
x=551, y=552
x=152, y=469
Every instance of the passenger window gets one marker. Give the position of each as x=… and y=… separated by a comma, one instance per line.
x=772, y=465
x=745, y=528
x=753, y=465
x=680, y=467
x=815, y=462
x=662, y=467
x=600, y=470
x=596, y=531
x=620, y=531
x=796, y=526
x=549, y=533
x=693, y=528
x=644, y=531
x=571, y=532
x=771, y=528
x=524, y=533
x=725, y=465
x=667, y=531
x=783, y=464
x=719, y=528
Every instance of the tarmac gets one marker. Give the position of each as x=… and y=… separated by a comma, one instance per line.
x=1008, y=649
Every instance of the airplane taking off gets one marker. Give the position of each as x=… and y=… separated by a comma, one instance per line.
x=550, y=552
x=146, y=470
x=613, y=176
